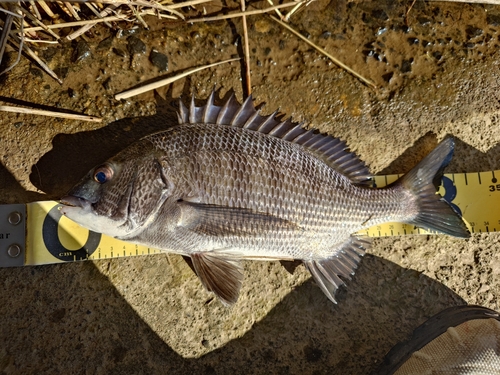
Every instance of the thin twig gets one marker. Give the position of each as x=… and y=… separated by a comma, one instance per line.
x=138, y=16
x=247, y=50
x=106, y=11
x=46, y=9
x=35, y=9
x=142, y=3
x=79, y=23
x=41, y=41
x=41, y=112
x=294, y=9
x=187, y=3
x=154, y=85
x=33, y=55
x=280, y=15
x=72, y=11
x=321, y=50
x=94, y=10
x=239, y=14
x=408, y=11
x=28, y=14
x=5, y=33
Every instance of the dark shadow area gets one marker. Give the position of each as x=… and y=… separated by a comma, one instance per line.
x=11, y=192
x=88, y=324
x=73, y=155
x=465, y=157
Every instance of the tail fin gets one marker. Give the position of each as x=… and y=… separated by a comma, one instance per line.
x=434, y=212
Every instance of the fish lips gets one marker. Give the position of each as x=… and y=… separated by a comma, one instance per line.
x=73, y=201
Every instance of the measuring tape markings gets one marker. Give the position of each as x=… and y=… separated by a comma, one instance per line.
x=53, y=238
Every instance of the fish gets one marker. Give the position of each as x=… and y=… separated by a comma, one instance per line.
x=229, y=184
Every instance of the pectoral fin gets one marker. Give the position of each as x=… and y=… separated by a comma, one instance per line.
x=219, y=275
x=326, y=272
x=221, y=221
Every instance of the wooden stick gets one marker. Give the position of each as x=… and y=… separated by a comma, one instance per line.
x=78, y=23
x=239, y=14
x=41, y=112
x=186, y=3
x=280, y=15
x=72, y=10
x=46, y=8
x=247, y=50
x=35, y=9
x=321, y=50
x=166, y=81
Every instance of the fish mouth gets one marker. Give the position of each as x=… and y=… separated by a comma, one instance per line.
x=73, y=201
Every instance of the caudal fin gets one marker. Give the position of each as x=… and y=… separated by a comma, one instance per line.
x=434, y=212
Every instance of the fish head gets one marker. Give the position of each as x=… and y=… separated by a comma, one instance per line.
x=120, y=196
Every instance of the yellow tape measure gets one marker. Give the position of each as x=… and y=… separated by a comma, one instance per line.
x=37, y=233
x=475, y=195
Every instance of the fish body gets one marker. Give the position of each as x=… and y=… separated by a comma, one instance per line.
x=228, y=184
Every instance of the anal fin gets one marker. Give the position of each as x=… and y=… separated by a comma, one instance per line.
x=327, y=272
x=220, y=275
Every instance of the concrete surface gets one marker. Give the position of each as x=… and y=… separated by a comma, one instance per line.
x=438, y=75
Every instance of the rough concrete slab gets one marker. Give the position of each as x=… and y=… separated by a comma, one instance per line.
x=438, y=75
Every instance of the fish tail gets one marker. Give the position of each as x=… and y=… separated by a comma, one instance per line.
x=434, y=213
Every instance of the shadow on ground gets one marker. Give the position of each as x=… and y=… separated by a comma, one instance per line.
x=66, y=318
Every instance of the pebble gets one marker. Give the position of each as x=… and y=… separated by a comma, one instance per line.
x=387, y=77
x=82, y=51
x=120, y=52
x=159, y=60
x=326, y=35
x=473, y=31
x=380, y=14
x=493, y=19
x=406, y=66
x=135, y=46
x=36, y=72
x=105, y=44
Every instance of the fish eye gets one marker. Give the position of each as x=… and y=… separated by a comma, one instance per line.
x=103, y=174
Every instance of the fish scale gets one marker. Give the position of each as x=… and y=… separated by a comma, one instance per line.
x=228, y=184
x=283, y=190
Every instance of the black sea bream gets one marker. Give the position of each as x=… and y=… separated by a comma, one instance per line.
x=228, y=184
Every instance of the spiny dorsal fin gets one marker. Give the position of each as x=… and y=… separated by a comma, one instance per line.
x=331, y=150
x=326, y=272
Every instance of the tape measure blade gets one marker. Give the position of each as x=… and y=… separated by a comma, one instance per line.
x=478, y=198
x=12, y=235
x=53, y=238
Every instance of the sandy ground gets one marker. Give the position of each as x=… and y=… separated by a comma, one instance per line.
x=438, y=75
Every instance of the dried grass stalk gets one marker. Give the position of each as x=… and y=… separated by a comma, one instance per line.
x=322, y=51
x=163, y=82
x=32, y=111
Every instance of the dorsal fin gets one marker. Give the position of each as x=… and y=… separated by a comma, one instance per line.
x=332, y=151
